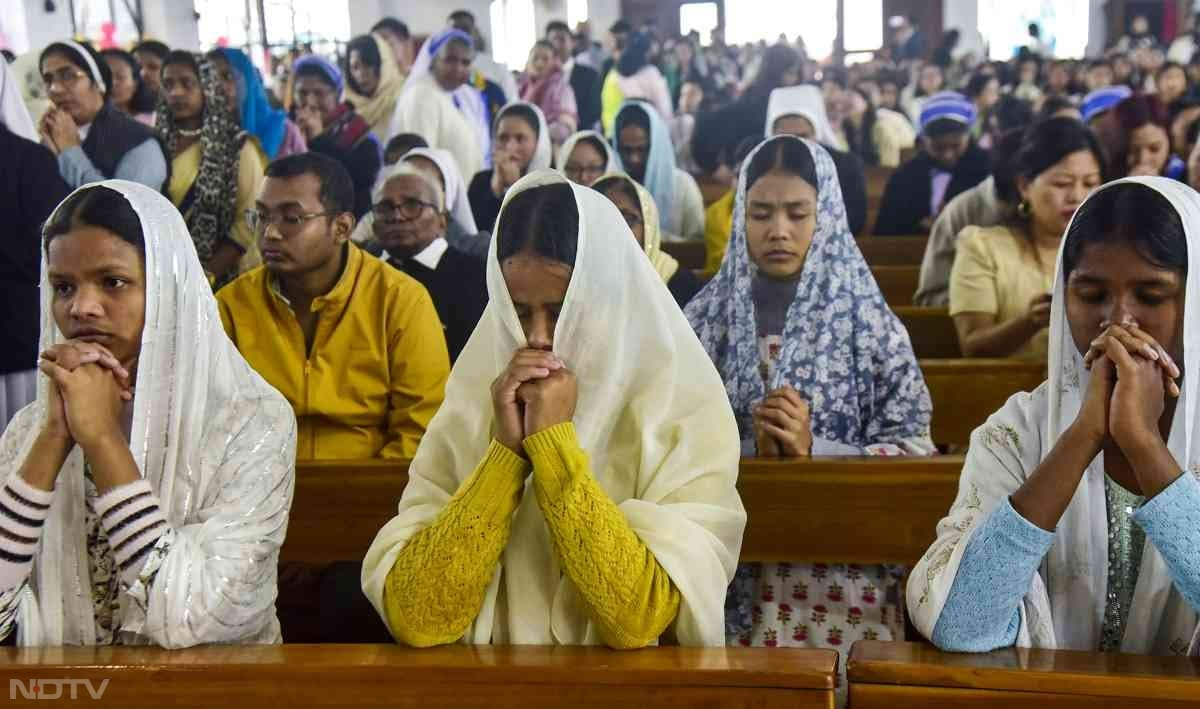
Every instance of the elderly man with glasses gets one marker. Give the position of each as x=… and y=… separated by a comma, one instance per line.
x=355, y=345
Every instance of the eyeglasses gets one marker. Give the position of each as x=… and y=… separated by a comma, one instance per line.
x=285, y=223
x=66, y=77
x=583, y=174
x=409, y=209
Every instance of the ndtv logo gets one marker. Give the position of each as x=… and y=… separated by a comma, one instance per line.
x=53, y=689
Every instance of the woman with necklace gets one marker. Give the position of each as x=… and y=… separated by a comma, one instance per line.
x=209, y=154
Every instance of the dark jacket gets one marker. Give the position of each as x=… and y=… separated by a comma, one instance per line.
x=485, y=205
x=27, y=196
x=458, y=288
x=909, y=191
x=684, y=286
x=853, y=181
x=585, y=82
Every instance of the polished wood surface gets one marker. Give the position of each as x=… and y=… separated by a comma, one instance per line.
x=893, y=250
x=815, y=509
x=689, y=254
x=898, y=283
x=931, y=331
x=899, y=675
x=459, y=675
x=966, y=392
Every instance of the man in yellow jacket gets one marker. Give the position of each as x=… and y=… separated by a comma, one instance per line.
x=354, y=344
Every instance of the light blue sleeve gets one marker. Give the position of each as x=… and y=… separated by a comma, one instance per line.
x=77, y=168
x=824, y=446
x=1171, y=520
x=982, y=612
x=144, y=164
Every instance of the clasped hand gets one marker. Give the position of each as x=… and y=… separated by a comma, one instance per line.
x=782, y=425
x=534, y=393
x=88, y=389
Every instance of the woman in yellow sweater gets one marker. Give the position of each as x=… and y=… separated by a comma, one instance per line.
x=578, y=484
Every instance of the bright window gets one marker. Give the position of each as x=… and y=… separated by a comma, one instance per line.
x=577, y=11
x=754, y=20
x=1005, y=25
x=864, y=24
x=513, y=31
x=699, y=17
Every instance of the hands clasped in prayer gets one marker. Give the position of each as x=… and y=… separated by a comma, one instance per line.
x=782, y=426
x=535, y=393
x=1132, y=376
x=58, y=130
x=88, y=389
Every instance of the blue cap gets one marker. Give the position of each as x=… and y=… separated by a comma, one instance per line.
x=1101, y=100
x=947, y=105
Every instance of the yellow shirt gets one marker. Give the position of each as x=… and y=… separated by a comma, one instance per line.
x=438, y=582
x=718, y=225
x=251, y=166
x=611, y=99
x=995, y=272
x=378, y=366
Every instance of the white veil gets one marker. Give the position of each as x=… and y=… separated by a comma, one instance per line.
x=217, y=445
x=652, y=416
x=1064, y=608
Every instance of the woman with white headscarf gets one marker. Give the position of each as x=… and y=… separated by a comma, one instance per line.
x=521, y=144
x=586, y=157
x=814, y=363
x=439, y=103
x=643, y=143
x=562, y=495
x=1077, y=521
x=800, y=111
x=27, y=196
x=640, y=213
x=147, y=490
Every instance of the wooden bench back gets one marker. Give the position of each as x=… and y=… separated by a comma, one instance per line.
x=498, y=677
x=898, y=283
x=893, y=250
x=689, y=254
x=893, y=675
x=931, y=331
x=966, y=392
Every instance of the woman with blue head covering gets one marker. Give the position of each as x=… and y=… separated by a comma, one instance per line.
x=949, y=163
x=440, y=103
x=814, y=363
x=643, y=143
x=277, y=135
x=332, y=127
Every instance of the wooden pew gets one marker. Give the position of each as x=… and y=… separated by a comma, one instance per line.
x=966, y=391
x=524, y=677
x=903, y=675
x=893, y=250
x=931, y=331
x=898, y=283
x=868, y=510
x=690, y=254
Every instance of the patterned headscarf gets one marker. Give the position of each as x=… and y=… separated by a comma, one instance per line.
x=210, y=206
x=844, y=350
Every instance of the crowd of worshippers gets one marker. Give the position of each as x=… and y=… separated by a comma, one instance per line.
x=410, y=254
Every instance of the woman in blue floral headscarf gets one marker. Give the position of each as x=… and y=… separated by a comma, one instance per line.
x=815, y=363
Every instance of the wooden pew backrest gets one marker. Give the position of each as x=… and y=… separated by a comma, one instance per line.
x=868, y=510
x=898, y=283
x=902, y=675
x=931, y=331
x=965, y=392
x=496, y=677
x=893, y=250
x=689, y=254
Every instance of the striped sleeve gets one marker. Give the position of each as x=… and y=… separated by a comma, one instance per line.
x=23, y=512
x=134, y=522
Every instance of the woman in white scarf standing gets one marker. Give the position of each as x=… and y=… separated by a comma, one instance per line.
x=1077, y=521
x=562, y=495
x=439, y=103
x=147, y=488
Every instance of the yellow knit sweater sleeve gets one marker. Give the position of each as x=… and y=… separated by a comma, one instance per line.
x=629, y=596
x=438, y=582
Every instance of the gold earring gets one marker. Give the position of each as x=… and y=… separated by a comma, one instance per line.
x=1024, y=210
